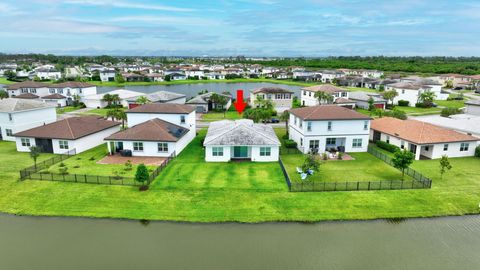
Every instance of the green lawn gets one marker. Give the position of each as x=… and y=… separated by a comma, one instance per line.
x=86, y=163
x=100, y=112
x=451, y=103
x=180, y=196
x=5, y=81
x=419, y=111
x=215, y=116
x=67, y=109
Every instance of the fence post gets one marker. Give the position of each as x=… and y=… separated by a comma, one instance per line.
x=85, y=177
x=75, y=177
x=98, y=182
x=368, y=185
x=335, y=189
x=358, y=185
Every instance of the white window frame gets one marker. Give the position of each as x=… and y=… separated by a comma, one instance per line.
x=365, y=125
x=8, y=132
x=357, y=143
x=62, y=144
x=25, y=142
x=138, y=146
x=329, y=125
x=162, y=147
x=464, y=147
x=183, y=119
x=217, y=151
x=445, y=147
x=265, y=151
x=309, y=125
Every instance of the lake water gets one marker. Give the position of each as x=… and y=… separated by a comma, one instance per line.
x=191, y=90
x=80, y=243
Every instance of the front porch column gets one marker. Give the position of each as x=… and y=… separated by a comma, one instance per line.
x=417, y=152
x=109, y=148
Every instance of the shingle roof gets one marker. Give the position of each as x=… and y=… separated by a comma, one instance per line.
x=271, y=90
x=328, y=88
x=26, y=84
x=170, y=108
x=240, y=132
x=16, y=105
x=72, y=85
x=27, y=96
x=54, y=96
x=203, y=98
x=343, y=101
x=409, y=85
x=365, y=96
x=327, y=112
x=70, y=128
x=151, y=130
x=160, y=96
x=418, y=132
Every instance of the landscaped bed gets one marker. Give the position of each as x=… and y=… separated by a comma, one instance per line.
x=216, y=116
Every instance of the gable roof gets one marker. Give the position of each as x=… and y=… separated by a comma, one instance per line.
x=151, y=130
x=69, y=129
x=328, y=88
x=343, y=101
x=418, y=132
x=27, y=96
x=365, y=96
x=240, y=132
x=327, y=112
x=17, y=105
x=72, y=85
x=54, y=96
x=409, y=85
x=26, y=84
x=167, y=108
x=122, y=93
x=271, y=90
x=203, y=98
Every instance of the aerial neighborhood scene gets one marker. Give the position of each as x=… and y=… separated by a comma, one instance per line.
x=156, y=131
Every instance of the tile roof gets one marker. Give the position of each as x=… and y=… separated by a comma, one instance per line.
x=168, y=108
x=240, y=132
x=71, y=84
x=54, y=96
x=328, y=88
x=271, y=90
x=409, y=86
x=327, y=112
x=26, y=84
x=365, y=96
x=27, y=96
x=17, y=105
x=152, y=130
x=418, y=132
x=343, y=101
x=69, y=129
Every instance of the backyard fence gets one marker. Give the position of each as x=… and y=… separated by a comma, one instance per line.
x=35, y=173
x=285, y=174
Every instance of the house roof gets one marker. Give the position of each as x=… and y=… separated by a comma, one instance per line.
x=168, y=108
x=418, y=132
x=328, y=88
x=271, y=90
x=17, y=105
x=69, y=129
x=365, y=96
x=27, y=96
x=122, y=93
x=409, y=85
x=203, y=98
x=327, y=112
x=240, y=132
x=26, y=84
x=160, y=96
x=343, y=101
x=54, y=96
x=72, y=85
x=151, y=130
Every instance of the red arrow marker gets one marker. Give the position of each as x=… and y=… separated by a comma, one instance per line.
x=239, y=104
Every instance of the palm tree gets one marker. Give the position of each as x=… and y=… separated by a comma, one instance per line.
x=116, y=99
x=390, y=95
x=107, y=98
x=285, y=116
x=427, y=98
x=324, y=97
x=142, y=100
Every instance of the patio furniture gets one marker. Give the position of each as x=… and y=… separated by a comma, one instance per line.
x=299, y=170
x=304, y=176
x=310, y=172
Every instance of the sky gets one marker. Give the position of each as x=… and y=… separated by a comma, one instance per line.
x=310, y=28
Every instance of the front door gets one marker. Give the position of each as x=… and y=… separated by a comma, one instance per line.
x=413, y=148
x=376, y=136
x=240, y=152
x=45, y=144
x=118, y=146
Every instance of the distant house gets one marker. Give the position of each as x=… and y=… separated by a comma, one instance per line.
x=96, y=101
x=423, y=139
x=133, y=77
x=177, y=76
x=328, y=76
x=48, y=74
x=308, y=98
x=17, y=115
x=204, y=104
x=55, y=100
x=361, y=99
x=321, y=128
x=155, y=77
x=192, y=73
x=32, y=87
x=281, y=98
x=79, y=133
x=107, y=75
x=241, y=139
x=159, y=97
x=71, y=89
x=411, y=91
x=215, y=76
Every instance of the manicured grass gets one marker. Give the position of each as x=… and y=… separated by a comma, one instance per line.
x=363, y=89
x=215, y=116
x=242, y=80
x=5, y=81
x=363, y=168
x=451, y=103
x=67, y=109
x=419, y=111
x=211, y=199
x=100, y=112
x=86, y=163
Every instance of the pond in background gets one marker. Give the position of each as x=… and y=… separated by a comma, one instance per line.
x=81, y=243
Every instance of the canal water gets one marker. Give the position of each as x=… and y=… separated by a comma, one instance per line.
x=191, y=90
x=81, y=243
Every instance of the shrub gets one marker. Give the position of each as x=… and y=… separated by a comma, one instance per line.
x=61, y=164
x=128, y=165
x=290, y=144
x=285, y=136
x=420, y=105
x=389, y=147
x=403, y=103
x=446, y=112
x=325, y=156
x=396, y=114
x=340, y=156
x=477, y=151
x=63, y=170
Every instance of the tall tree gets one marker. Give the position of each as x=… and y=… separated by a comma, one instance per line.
x=427, y=98
x=390, y=95
x=142, y=100
x=35, y=152
x=220, y=100
x=107, y=98
x=402, y=159
x=444, y=165
x=324, y=97
x=3, y=94
x=141, y=175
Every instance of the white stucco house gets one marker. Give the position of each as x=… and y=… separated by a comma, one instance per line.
x=27, y=87
x=361, y=99
x=329, y=127
x=17, y=115
x=48, y=74
x=423, y=139
x=203, y=102
x=79, y=133
x=56, y=100
x=96, y=101
x=159, y=97
x=282, y=99
x=472, y=107
x=307, y=96
x=411, y=91
x=241, y=140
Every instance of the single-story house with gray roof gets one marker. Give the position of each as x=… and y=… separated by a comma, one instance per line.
x=203, y=102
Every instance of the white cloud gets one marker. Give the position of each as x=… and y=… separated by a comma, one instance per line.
x=178, y=20
x=125, y=4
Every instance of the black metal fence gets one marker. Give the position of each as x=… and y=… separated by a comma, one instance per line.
x=35, y=173
x=285, y=174
x=25, y=173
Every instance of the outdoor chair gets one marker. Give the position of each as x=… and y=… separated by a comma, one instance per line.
x=304, y=176
x=299, y=170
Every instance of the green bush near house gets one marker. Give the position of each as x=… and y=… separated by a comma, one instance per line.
x=403, y=103
x=477, y=151
x=290, y=143
x=389, y=147
x=446, y=112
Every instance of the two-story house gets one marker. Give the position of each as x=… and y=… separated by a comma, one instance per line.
x=155, y=130
x=307, y=97
x=27, y=87
x=411, y=91
x=324, y=128
x=282, y=99
x=17, y=115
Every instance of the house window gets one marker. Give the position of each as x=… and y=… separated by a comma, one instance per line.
x=269, y=96
x=34, y=91
x=265, y=151
x=427, y=148
x=51, y=91
x=9, y=132
x=301, y=141
x=304, y=92
x=357, y=143
x=24, y=90
x=217, y=151
x=388, y=139
x=294, y=120
x=278, y=96
x=329, y=127
x=182, y=119
x=163, y=147
x=309, y=94
x=63, y=144
x=301, y=123
x=331, y=141
x=403, y=91
x=314, y=144
x=25, y=142
x=464, y=147
x=10, y=117
x=365, y=125
x=445, y=147
x=309, y=126
x=402, y=144
x=138, y=146
x=344, y=94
